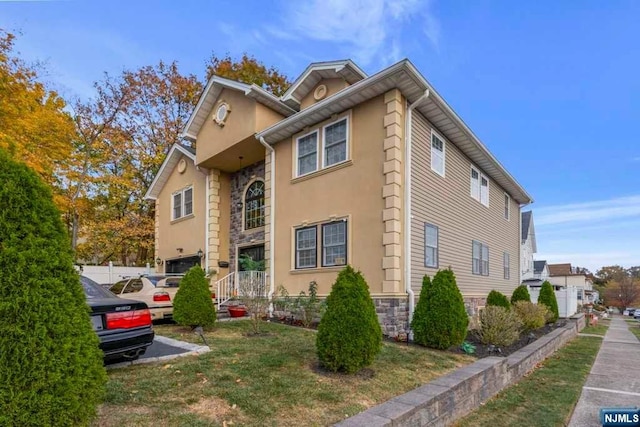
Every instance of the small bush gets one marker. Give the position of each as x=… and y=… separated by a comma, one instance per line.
x=192, y=305
x=440, y=319
x=499, y=326
x=533, y=316
x=308, y=308
x=548, y=297
x=51, y=366
x=521, y=293
x=498, y=299
x=349, y=335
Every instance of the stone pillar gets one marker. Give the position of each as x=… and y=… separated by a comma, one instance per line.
x=213, y=209
x=392, y=193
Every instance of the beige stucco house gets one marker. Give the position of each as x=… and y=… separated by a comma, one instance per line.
x=374, y=171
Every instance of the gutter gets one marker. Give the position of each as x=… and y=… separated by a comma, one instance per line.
x=272, y=217
x=407, y=208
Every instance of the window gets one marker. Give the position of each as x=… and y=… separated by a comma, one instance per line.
x=437, y=154
x=480, y=258
x=479, y=184
x=334, y=243
x=308, y=153
x=133, y=286
x=505, y=265
x=507, y=206
x=306, y=247
x=430, y=246
x=484, y=190
x=254, y=205
x=335, y=143
x=475, y=184
x=183, y=203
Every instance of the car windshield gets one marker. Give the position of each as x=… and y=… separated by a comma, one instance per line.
x=92, y=290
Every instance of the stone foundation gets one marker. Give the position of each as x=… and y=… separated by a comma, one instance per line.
x=393, y=315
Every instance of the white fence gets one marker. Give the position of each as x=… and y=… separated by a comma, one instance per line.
x=567, y=300
x=109, y=274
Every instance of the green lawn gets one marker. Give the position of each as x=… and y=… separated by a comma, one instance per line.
x=599, y=329
x=635, y=329
x=547, y=396
x=264, y=380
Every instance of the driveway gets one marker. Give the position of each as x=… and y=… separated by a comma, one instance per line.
x=162, y=349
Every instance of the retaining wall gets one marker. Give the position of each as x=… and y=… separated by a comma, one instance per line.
x=453, y=396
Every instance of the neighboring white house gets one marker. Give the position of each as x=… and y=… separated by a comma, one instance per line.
x=527, y=246
x=540, y=270
x=564, y=275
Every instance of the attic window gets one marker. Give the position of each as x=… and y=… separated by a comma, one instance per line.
x=222, y=112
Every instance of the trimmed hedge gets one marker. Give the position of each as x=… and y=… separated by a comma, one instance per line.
x=498, y=299
x=548, y=297
x=440, y=319
x=349, y=335
x=192, y=305
x=51, y=366
x=521, y=293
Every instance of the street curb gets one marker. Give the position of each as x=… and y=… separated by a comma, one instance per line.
x=193, y=350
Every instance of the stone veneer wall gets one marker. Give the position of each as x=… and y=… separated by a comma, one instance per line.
x=393, y=315
x=238, y=236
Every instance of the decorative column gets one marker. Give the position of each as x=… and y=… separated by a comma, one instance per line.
x=267, y=212
x=392, y=193
x=156, y=234
x=213, y=251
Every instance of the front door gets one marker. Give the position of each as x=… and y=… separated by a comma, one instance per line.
x=256, y=253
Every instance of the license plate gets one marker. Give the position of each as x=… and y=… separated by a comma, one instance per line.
x=96, y=321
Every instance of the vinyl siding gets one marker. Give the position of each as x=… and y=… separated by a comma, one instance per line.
x=447, y=203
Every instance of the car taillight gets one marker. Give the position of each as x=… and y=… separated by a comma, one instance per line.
x=128, y=319
x=161, y=296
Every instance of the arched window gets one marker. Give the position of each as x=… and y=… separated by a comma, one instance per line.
x=254, y=205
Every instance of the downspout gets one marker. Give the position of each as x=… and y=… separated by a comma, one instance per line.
x=407, y=207
x=206, y=226
x=272, y=213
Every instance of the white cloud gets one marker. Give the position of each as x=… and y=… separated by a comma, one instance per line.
x=618, y=208
x=366, y=30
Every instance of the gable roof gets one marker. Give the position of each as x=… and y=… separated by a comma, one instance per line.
x=211, y=92
x=404, y=76
x=526, y=221
x=538, y=266
x=317, y=71
x=176, y=151
x=529, y=230
x=560, y=269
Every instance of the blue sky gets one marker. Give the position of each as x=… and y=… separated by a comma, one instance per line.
x=552, y=88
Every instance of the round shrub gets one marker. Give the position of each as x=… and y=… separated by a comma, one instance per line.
x=51, y=366
x=521, y=293
x=440, y=319
x=349, y=335
x=498, y=299
x=192, y=305
x=499, y=326
x=533, y=316
x=548, y=297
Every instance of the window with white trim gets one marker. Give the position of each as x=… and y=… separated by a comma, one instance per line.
x=480, y=258
x=479, y=185
x=431, y=245
x=306, y=243
x=254, y=205
x=307, y=153
x=334, y=244
x=507, y=206
x=182, y=203
x=437, y=154
x=506, y=265
x=335, y=143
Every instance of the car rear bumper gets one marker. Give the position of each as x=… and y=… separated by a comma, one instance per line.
x=125, y=343
x=160, y=313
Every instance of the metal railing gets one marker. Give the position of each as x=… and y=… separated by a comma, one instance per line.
x=250, y=284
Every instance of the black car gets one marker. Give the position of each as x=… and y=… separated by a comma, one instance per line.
x=123, y=326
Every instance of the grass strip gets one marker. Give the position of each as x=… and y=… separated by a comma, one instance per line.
x=547, y=396
x=599, y=329
x=635, y=329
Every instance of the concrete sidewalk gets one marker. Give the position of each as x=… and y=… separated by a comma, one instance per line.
x=614, y=380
